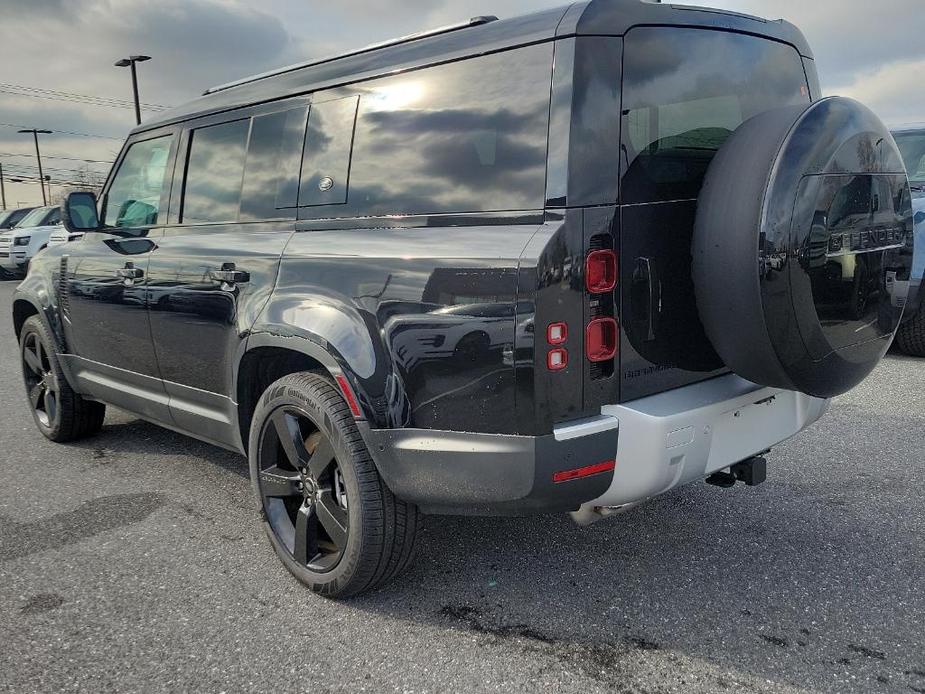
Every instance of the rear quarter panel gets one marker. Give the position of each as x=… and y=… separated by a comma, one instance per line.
x=419, y=319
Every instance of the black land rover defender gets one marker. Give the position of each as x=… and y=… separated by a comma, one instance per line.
x=564, y=262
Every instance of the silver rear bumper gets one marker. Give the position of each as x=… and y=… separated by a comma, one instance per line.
x=683, y=435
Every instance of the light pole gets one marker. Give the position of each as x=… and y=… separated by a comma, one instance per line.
x=130, y=62
x=2, y=188
x=35, y=134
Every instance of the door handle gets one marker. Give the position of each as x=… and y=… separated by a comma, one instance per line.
x=229, y=275
x=129, y=274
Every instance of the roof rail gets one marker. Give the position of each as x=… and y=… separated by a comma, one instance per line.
x=475, y=21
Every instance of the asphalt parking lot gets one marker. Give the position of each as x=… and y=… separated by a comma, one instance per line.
x=133, y=561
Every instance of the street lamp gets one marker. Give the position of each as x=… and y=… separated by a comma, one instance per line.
x=130, y=62
x=35, y=134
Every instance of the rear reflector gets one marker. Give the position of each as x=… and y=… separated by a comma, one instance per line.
x=569, y=475
x=557, y=333
x=601, y=339
x=601, y=271
x=557, y=359
x=348, y=395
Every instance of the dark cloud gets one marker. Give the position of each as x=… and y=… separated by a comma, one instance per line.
x=871, y=51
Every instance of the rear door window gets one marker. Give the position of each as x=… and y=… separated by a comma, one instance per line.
x=685, y=92
x=271, y=170
x=214, y=173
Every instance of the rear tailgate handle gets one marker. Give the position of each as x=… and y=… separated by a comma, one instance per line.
x=646, y=274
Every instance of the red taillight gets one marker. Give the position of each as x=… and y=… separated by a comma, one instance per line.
x=557, y=359
x=348, y=395
x=601, y=339
x=601, y=271
x=569, y=475
x=557, y=333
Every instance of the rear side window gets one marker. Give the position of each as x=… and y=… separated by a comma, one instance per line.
x=468, y=136
x=271, y=170
x=134, y=198
x=684, y=92
x=328, y=142
x=214, y=172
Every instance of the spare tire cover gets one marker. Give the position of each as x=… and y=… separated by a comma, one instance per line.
x=803, y=232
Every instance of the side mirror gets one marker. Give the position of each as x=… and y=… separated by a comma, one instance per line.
x=78, y=213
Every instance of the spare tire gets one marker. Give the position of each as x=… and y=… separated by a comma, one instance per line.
x=796, y=247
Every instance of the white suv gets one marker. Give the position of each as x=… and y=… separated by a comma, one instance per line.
x=20, y=244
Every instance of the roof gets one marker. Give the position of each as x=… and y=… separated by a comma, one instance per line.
x=594, y=17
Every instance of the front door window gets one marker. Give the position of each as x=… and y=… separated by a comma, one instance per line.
x=134, y=198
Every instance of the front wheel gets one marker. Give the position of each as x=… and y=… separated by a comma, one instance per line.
x=60, y=414
x=328, y=514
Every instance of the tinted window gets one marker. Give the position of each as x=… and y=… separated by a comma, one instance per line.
x=134, y=197
x=328, y=141
x=685, y=91
x=467, y=136
x=271, y=172
x=214, y=173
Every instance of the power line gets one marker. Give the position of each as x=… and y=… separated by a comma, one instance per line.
x=65, y=132
x=51, y=156
x=55, y=95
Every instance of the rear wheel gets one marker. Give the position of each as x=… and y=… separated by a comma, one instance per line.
x=60, y=414
x=327, y=512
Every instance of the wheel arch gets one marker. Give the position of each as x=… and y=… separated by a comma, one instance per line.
x=269, y=357
x=23, y=309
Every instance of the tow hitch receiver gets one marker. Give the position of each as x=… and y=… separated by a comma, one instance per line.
x=753, y=472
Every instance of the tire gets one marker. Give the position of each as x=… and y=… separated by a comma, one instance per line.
x=60, y=414
x=792, y=191
x=330, y=518
x=910, y=338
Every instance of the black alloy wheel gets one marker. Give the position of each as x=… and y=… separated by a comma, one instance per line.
x=331, y=519
x=303, y=491
x=41, y=383
x=60, y=413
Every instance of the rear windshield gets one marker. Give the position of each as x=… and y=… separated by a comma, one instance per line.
x=684, y=92
x=912, y=147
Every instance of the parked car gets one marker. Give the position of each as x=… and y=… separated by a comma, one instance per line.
x=10, y=218
x=20, y=244
x=911, y=335
x=315, y=267
x=61, y=236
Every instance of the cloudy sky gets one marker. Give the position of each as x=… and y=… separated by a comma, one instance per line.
x=873, y=51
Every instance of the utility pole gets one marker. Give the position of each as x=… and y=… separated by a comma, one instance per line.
x=2, y=188
x=130, y=62
x=35, y=135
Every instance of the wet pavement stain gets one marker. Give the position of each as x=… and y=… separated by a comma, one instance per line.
x=62, y=529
